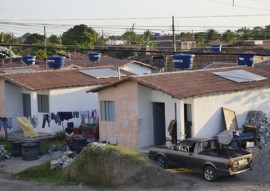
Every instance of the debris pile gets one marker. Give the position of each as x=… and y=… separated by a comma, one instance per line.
x=64, y=161
x=3, y=153
x=262, y=122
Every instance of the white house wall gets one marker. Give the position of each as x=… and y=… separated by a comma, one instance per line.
x=14, y=104
x=169, y=109
x=137, y=69
x=145, y=117
x=66, y=100
x=208, y=117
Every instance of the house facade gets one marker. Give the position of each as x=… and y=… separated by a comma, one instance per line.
x=46, y=93
x=143, y=107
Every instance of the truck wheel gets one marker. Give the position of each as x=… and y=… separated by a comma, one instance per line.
x=210, y=174
x=161, y=161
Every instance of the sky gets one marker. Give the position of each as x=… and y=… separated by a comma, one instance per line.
x=114, y=17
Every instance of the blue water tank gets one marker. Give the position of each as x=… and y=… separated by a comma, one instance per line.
x=216, y=47
x=246, y=59
x=94, y=56
x=56, y=61
x=28, y=59
x=183, y=61
x=157, y=34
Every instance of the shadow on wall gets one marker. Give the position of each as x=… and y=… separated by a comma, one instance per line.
x=258, y=102
x=214, y=125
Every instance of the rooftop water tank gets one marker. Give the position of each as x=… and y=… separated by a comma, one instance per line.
x=55, y=61
x=246, y=59
x=94, y=56
x=183, y=61
x=28, y=59
x=216, y=47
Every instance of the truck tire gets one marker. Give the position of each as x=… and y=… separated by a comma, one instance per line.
x=210, y=174
x=161, y=161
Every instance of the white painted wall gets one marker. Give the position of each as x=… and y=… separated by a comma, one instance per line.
x=66, y=100
x=14, y=104
x=169, y=109
x=145, y=106
x=208, y=117
x=137, y=69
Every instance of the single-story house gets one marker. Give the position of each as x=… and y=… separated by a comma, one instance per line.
x=137, y=111
x=42, y=94
x=79, y=60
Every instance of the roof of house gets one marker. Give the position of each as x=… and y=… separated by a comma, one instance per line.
x=263, y=65
x=82, y=60
x=187, y=84
x=55, y=79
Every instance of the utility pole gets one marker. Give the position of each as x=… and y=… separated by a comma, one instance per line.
x=174, y=45
x=45, y=41
x=233, y=3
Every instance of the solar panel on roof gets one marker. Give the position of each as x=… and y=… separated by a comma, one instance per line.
x=102, y=73
x=19, y=71
x=240, y=76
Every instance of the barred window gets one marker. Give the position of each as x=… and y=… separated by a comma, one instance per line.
x=43, y=103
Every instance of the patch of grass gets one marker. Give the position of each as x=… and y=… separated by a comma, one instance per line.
x=42, y=173
x=58, y=139
x=7, y=144
x=106, y=166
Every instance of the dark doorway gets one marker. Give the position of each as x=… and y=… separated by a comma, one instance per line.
x=26, y=105
x=159, y=123
x=188, y=120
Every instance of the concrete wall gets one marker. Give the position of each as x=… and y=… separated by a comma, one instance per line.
x=145, y=106
x=14, y=104
x=2, y=99
x=169, y=109
x=208, y=117
x=137, y=69
x=124, y=130
x=66, y=100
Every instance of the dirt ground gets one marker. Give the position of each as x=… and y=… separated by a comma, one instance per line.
x=257, y=179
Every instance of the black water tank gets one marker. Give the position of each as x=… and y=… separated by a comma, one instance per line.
x=77, y=143
x=17, y=149
x=38, y=143
x=30, y=151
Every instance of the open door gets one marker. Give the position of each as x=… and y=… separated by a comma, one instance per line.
x=188, y=120
x=159, y=123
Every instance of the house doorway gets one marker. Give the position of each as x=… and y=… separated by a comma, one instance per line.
x=188, y=120
x=159, y=123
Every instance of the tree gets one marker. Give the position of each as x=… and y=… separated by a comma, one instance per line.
x=8, y=38
x=212, y=35
x=132, y=38
x=80, y=35
x=34, y=39
x=228, y=36
x=5, y=52
x=53, y=39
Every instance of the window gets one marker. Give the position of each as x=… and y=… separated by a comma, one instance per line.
x=43, y=103
x=107, y=111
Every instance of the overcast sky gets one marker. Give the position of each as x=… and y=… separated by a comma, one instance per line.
x=116, y=16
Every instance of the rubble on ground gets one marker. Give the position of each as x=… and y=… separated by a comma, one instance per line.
x=62, y=162
x=262, y=122
x=3, y=153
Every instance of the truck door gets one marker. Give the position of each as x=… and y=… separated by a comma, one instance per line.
x=182, y=155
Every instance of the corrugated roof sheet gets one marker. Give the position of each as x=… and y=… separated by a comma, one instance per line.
x=54, y=79
x=188, y=84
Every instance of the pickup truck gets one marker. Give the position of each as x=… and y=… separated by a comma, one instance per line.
x=205, y=155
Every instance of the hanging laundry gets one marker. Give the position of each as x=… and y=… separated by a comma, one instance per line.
x=56, y=118
x=7, y=123
x=75, y=114
x=46, y=118
x=34, y=121
x=65, y=115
